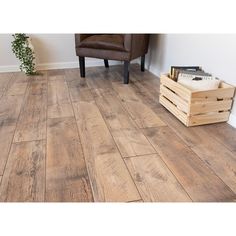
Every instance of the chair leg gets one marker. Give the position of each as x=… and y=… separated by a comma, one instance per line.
x=143, y=63
x=126, y=72
x=82, y=66
x=106, y=63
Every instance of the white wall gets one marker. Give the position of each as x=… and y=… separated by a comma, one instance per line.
x=216, y=53
x=52, y=51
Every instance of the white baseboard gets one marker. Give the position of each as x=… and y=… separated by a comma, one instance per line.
x=60, y=65
x=9, y=68
x=57, y=65
x=232, y=120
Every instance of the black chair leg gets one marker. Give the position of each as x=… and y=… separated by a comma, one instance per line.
x=126, y=72
x=143, y=63
x=106, y=63
x=82, y=66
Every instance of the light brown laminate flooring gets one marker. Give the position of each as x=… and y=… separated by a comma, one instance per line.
x=64, y=138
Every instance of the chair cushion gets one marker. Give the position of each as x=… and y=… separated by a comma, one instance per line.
x=104, y=41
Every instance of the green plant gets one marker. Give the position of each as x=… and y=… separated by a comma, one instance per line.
x=20, y=47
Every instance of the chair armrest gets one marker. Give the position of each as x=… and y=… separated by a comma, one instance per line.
x=80, y=37
x=136, y=44
x=128, y=42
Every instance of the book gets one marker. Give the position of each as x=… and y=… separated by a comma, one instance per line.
x=198, y=81
x=174, y=71
x=197, y=75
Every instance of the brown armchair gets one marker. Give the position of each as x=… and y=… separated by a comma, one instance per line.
x=121, y=47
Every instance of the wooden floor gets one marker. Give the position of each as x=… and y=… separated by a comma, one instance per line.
x=64, y=139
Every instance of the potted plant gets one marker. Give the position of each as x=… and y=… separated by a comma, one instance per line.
x=24, y=51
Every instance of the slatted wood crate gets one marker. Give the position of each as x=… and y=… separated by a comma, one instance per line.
x=196, y=107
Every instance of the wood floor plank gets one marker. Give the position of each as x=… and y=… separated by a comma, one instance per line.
x=146, y=80
x=10, y=107
x=108, y=174
x=132, y=142
x=58, y=74
x=5, y=79
x=99, y=78
x=113, y=112
x=138, y=201
x=72, y=77
x=17, y=85
x=6, y=136
x=203, y=142
x=129, y=139
x=78, y=88
x=143, y=115
x=59, y=104
x=80, y=94
x=24, y=177
x=37, y=87
x=17, y=89
x=145, y=95
x=146, y=91
x=66, y=173
x=223, y=133
x=41, y=77
x=32, y=121
x=154, y=180
x=198, y=180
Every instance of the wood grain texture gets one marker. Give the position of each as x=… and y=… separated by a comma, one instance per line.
x=58, y=74
x=204, y=143
x=45, y=155
x=38, y=87
x=147, y=96
x=66, y=173
x=143, y=115
x=24, y=177
x=131, y=142
x=10, y=109
x=17, y=85
x=198, y=180
x=17, y=89
x=73, y=76
x=5, y=79
x=58, y=99
x=146, y=86
x=112, y=110
x=108, y=174
x=32, y=121
x=154, y=180
x=223, y=133
x=99, y=78
x=78, y=88
x=6, y=136
x=128, y=137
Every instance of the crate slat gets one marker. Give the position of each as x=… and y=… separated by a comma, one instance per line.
x=215, y=94
x=208, y=118
x=177, y=100
x=173, y=109
x=210, y=106
x=176, y=87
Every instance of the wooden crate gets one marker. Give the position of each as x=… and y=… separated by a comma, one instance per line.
x=196, y=107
